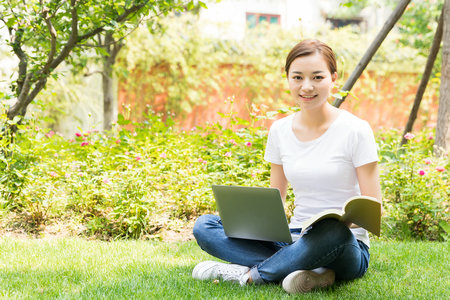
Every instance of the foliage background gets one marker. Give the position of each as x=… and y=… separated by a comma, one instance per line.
x=136, y=183
x=148, y=174
x=184, y=70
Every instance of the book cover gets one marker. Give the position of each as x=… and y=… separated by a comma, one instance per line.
x=363, y=211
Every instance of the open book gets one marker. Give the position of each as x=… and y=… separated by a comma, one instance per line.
x=364, y=211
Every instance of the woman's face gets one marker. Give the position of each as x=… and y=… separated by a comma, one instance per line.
x=310, y=81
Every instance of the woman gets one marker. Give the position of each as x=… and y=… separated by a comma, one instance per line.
x=327, y=155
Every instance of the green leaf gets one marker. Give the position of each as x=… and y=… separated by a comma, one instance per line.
x=444, y=225
x=202, y=4
x=284, y=110
x=122, y=121
x=190, y=5
x=271, y=114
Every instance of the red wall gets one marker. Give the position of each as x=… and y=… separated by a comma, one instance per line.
x=384, y=101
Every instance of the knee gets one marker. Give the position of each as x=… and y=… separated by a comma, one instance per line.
x=202, y=224
x=332, y=229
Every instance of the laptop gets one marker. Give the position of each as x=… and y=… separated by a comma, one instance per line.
x=255, y=213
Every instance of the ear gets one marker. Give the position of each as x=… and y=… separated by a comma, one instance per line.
x=334, y=76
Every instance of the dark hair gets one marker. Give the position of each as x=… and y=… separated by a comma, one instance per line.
x=308, y=47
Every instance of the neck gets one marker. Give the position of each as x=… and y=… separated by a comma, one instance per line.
x=317, y=118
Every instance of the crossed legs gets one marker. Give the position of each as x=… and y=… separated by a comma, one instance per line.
x=329, y=243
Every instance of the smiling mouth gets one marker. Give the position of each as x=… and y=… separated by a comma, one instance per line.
x=308, y=96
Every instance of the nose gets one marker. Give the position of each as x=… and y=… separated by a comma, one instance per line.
x=307, y=85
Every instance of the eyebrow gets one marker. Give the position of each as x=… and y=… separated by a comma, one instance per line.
x=315, y=72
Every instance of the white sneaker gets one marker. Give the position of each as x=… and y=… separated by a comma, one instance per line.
x=217, y=270
x=304, y=281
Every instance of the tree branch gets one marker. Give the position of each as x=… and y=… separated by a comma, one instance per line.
x=123, y=37
x=89, y=73
x=73, y=38
x=25, y=88
x=52, y=32
x=119, y=19
x=425, y=77
x=23, y=59
x=370, y=52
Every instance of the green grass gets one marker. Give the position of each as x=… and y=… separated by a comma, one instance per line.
x=75, y=268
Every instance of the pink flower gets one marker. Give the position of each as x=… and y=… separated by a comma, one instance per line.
x=421, y=172
x=127, y=153
x=430, y=137
x=253, y=175
x=228, y=154
x=84, y=143
x=78, y=134
x=440, y=169
x=117, y=141
x=163, y=155
x=81, y=174
x=50, y=134
x=409, y=136
x=232, y=141
x=106, y=181
x=248, y=144
x=53, y=174
x=427, y=161
x=137, y=158
x=200, y=160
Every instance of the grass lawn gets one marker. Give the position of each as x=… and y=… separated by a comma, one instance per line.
x=76, y=268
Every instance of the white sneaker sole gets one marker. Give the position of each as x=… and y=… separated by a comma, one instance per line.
x=203, y=271
x=304, y=281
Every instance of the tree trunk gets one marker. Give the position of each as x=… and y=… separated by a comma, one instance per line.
x=425, y=77
x=388, y=25
x=112, y=47
x=442, y=130
x=108, y=95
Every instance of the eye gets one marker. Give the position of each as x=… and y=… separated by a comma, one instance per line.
x=318, y=77
x=297, y=77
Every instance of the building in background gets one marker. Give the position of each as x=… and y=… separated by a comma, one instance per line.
x=230, y=19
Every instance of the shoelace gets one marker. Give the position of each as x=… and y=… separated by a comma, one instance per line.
x=230, y=273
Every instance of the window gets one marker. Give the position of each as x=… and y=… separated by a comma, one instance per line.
x=253, y=19
x=339, y=22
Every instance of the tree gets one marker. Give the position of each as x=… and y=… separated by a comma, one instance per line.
x=370, y=52
x=43, y=34
x=424, y=80
x=443, y=122
x=109, y=44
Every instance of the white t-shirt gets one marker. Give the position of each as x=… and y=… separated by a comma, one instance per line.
x=322, y=171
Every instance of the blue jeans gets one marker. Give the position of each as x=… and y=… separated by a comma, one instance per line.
x=329, y=243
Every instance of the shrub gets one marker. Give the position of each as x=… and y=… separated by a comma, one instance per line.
x=415, y=187
x=133, y=181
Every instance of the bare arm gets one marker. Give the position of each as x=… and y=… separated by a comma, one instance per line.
x=278, y=179
x=369, y=182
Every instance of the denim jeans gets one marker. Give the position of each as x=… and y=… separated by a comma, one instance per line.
x=329, y=243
